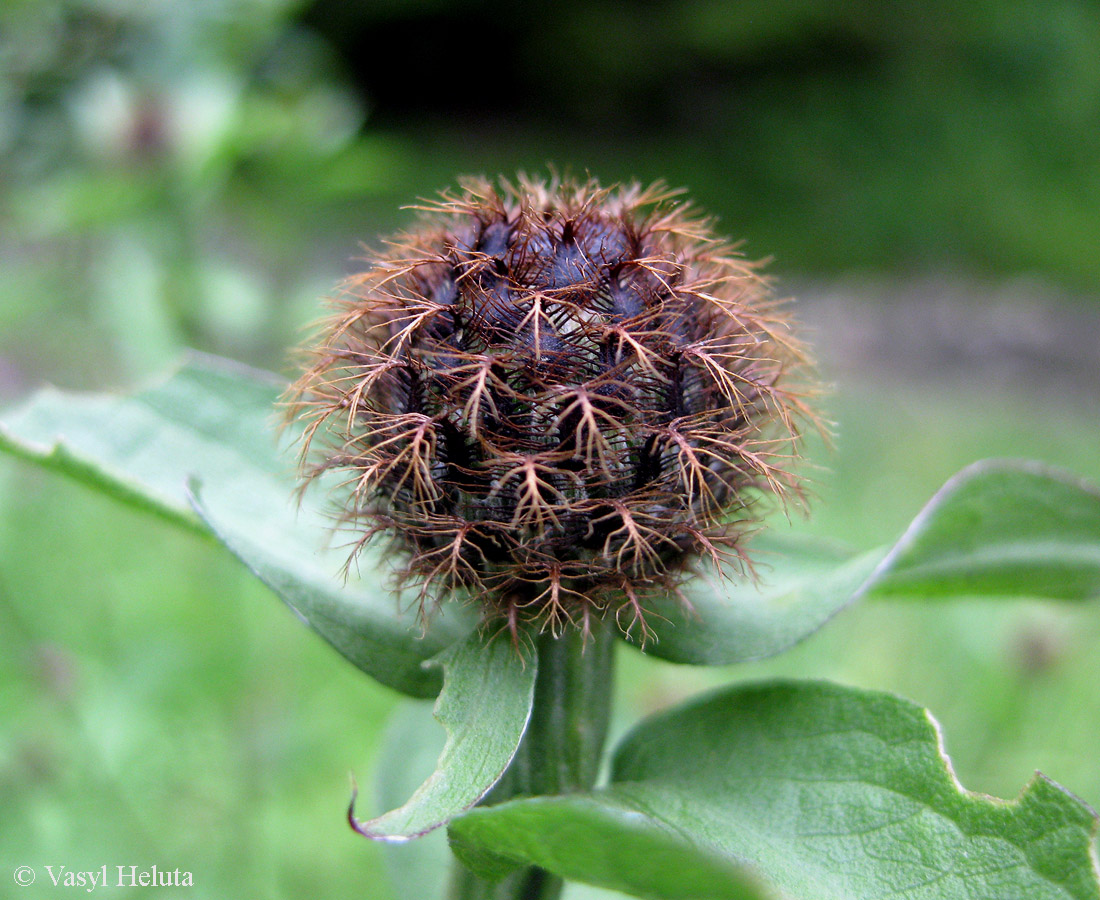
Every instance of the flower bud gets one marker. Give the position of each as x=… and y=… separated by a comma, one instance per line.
x=555, y=396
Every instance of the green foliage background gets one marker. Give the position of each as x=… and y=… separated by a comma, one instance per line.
x=198, y=174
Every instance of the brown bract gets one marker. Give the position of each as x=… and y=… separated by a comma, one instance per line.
x=555, y=396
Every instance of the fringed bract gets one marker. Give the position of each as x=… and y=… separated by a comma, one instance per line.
x=555, y=396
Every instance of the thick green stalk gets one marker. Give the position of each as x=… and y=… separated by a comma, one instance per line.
x=560, y=751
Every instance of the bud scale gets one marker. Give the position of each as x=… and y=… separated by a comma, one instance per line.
x=555, y=396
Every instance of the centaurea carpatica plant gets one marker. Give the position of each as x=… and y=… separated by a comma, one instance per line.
x=565, y=407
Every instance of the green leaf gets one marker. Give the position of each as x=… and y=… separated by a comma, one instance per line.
x=485, y=704
x=732, y=622
x=1000, y=529
x=823, y=791
x=212, y=423
x=211, y=418
x=598, y=840
x=996, y=529
x=364, y=622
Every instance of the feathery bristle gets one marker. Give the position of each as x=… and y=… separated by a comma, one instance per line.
x=555, y=396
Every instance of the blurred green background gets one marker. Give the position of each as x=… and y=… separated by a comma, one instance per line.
x=926, y=177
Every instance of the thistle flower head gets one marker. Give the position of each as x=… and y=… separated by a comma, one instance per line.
x=554, y=396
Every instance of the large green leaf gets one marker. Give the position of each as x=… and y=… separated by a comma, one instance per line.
x=211, y=418
x=999, y=528
x=485, y=704
x=362, y=620
x=601, y=841
x=823, y=791
x=212, y=424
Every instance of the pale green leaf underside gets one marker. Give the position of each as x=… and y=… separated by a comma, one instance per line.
x=1000, y=528
x=212, y=424
x=822, y=791
x=488, y=691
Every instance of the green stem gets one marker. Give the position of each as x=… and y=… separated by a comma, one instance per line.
x=560, y=751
